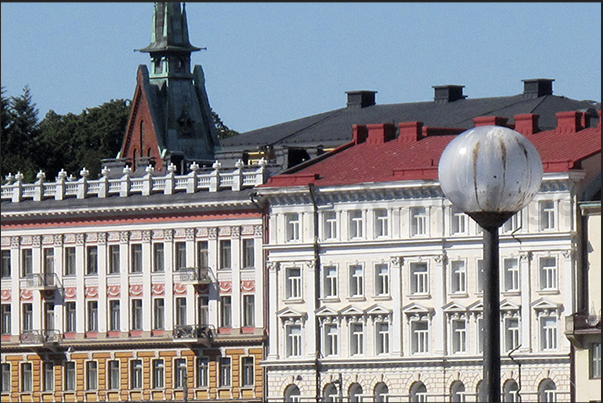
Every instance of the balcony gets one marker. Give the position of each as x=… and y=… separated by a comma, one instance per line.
x=41, y=281
x=49, y=338
x=578, y=326
x=193, y=334
x=194, y=275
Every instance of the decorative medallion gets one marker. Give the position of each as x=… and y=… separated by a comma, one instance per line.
x=158, y=289
x=70, y=292
x=225, y=287
x=179, y=289
x=113, y=291
x=91, y=292
x=135, y=290
x=26, y=295
x=248, y=285
x=6, y=295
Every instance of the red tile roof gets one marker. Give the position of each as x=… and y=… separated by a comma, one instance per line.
x=374, y=158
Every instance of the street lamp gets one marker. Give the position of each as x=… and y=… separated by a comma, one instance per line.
x=490, y=173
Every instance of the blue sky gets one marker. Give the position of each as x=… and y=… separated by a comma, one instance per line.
x=268, y=63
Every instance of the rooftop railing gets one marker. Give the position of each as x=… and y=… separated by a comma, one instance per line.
x=198, y=179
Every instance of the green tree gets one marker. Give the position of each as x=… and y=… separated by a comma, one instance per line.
x=221, y=129
x=19, y=131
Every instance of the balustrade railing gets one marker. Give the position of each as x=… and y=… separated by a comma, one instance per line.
x=214, y=179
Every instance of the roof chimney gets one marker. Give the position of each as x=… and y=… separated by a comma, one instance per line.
x=360, y=99
x=380, y=133
x=410, y=132
x=537, y=87
x=568, y=122
x=448, y=93
x=490, y=121
x=527, y=123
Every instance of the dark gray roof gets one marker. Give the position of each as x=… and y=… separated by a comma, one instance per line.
x=335, y=127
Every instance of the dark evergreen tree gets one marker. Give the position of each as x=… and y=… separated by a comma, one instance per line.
x=222, y=130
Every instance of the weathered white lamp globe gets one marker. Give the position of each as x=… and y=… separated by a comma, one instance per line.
x=490, y=173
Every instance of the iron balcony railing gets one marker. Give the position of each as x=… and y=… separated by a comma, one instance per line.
x=194, y=275
x=41, y=280
x=40, y=337
x=201, y=333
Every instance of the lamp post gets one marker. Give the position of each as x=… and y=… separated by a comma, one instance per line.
x=490, y=173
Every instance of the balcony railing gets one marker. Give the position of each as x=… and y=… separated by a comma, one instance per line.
x=194, y=334
x=194, y=275
x=40, y=338
x=42, y=281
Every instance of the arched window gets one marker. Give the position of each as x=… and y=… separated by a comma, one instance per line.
x=546, y=391
x=354, y=392
x=457, y=392
x=292, y=394
x=510, y=390
x=381, y=390
x=330, y=393
x=418, y=392
x=480, y=390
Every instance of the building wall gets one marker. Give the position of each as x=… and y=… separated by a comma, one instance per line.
x=529, y=244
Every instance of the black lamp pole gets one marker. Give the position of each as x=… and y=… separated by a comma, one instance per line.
x=491, y=315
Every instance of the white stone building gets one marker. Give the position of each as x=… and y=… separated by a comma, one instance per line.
x=374, y=279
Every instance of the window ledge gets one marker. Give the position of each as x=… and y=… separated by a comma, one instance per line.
x=382, y=297
x=357, y=298
x=548, y=292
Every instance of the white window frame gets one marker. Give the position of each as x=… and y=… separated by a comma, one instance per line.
x=458, y=335
x=357, y=330
x=331, y=339
x=158, y=378
x=419, y=221
x=547, y=273
x=419, y=338
x=381, y=227
x=355, y=224
x=293, y=227
x=548, y=334
x=458, y=222
x=547, y=213
x=202, y=372
x=382, y=338
x=419, y=279
x=511, y=334
x=513, y=224
x=330, y=289
x=293, y=283
x=381, y=280
x=511, y=275
x=356, y=281
x=458, y=277
x=136, y=374
x=293, y=342
x=329, y=220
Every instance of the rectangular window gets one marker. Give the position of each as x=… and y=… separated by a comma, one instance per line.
x=459, y=336
x=136, y=314
x=355, y=224
x=5, y=378
x=459, y=222
x=331, y=342
x=480, y=276
x=248, y=253
x=419, y=337
x=136, y=374
x=92, y=316
x=92, y=260
x=26, y=377
x=180, y=311
x=418, y=221
x=180, y=374
x=203, y=310
x=480, y=335
x=511, y=334
x=5, y=263
x=113, y=375
x=6, y=319
x=381, y=279
x=158, y=314
x=329, y=225
x=202, y=372
x=419, y=280
x=511, y=270
x=113, y=259
x=548, y=273
x=356, y=281
x=69, y=375
x=202, y=254
x=459, y=276
x=27, y=320
x=513, y=223
x=26, y=262
x=48, y=263
x=225, y=254
x=294, y=341
x=382, y=338
x=114, y=315
x=248, y=310
x=293, y=285
x=292, y=222
x=180, y=248
x=158, y=258
x=49, y=315
x=547, y=215
x=91, y=375
x=226, y=311
x=248, y=373
x=158, y=374
x=225, y=366
x=356, y=339
x=595, y=360
x=70, y=315
x=47, y=376
x=136, y=251
x=381, y=223
x=70, y=261
x=330, y=282
x=548, y=333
